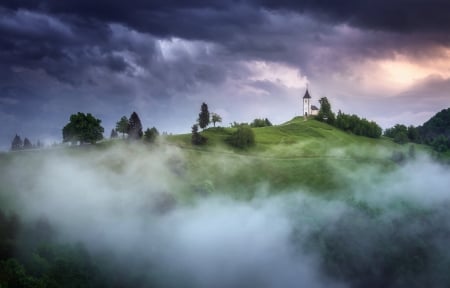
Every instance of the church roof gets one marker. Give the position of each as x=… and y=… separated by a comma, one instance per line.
x=307, y=96
x=314, y=107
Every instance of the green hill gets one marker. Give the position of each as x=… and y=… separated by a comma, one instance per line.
x=297, y=154
x=307, y=155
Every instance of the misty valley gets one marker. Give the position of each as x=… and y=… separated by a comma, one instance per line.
x=134, y=215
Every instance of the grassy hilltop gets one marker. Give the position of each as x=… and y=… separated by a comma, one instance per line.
x=297, y=154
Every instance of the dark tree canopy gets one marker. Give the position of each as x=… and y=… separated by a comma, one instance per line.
x=16, y=143
x=122, y=126
x=150, y=135
x=134, y=129
x=402, y=134
x=203, y=117
x=261, y=122
x=325, y=113
x=84, y=128
x=357, y=126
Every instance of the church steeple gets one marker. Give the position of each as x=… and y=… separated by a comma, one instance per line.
x=307, y=96
x=307, y=103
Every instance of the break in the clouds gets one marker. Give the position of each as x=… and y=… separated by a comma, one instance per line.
x=388, y=61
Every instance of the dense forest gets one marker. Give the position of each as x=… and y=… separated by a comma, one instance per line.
x=434, y=132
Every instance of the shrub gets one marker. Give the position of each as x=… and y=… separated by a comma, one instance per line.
x=242, y=138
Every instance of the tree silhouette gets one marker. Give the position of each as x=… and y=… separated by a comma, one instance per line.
x=134, y=129
x=203, y=117
x=16, y=143
x=27, y=144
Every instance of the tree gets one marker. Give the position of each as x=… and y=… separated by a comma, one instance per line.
x=197, y=139
x=134, y=128
x=203, y=117
x=243, y=137
x=150, y=135
x=260, y=123
x=325, y=113
x=215, y=118
x=27, y=144
x=357, y=126
x=84, y=128
x=122, y=126
x=16, y=143
x=113, y=134
x=401, y=138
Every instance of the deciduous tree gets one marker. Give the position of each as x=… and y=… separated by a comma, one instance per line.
x=150, y=135
x=84, y=128
x=215, y=118
x=325, y=113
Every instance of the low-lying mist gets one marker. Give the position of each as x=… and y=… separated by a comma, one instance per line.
x=138, y=214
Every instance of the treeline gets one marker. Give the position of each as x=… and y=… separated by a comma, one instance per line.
x=18, y=144
x=349, y=123
x=357, y=126
x=85, y=128
x=435, y=132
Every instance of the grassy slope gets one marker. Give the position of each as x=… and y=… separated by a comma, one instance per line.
x=297, y=154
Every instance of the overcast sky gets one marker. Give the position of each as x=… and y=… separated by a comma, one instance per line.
x=388, y=61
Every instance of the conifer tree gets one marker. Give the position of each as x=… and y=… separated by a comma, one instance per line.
x=27, y=144
x=134, y=127
x=203, y=117
x=16, y=143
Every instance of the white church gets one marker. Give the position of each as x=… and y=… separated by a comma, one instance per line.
x=309, y=109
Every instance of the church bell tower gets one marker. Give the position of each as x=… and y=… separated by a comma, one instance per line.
x=306, y=104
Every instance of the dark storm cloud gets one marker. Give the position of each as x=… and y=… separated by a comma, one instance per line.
x=188, y=18
x=110, y=57
x=397, y=15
